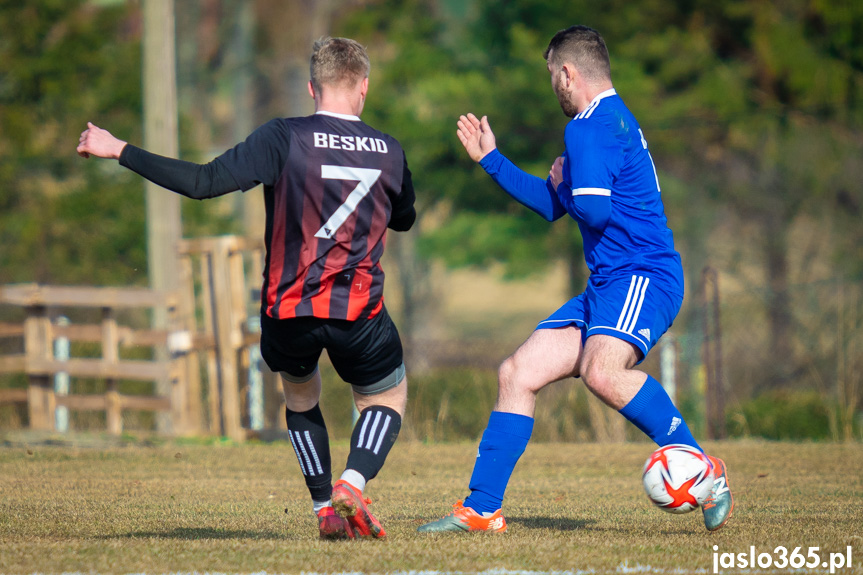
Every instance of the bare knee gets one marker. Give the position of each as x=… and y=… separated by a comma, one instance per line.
x=598, y=378
x=302, y=396
x=514, y=379
x=395, y=398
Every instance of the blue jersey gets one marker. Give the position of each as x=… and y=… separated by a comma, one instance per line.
x=610, y=188
x=607, y=156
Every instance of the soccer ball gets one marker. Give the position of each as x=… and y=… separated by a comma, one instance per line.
x=677, y=478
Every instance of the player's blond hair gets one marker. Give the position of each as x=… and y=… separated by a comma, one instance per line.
x=338, y=62
x=582, y=47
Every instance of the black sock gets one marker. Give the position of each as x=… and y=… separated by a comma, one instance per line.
x=312, y=445
x=373, y=437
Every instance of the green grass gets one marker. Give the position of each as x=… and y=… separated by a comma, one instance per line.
x=223, y=508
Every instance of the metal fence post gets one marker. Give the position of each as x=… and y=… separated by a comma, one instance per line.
x=61, y=378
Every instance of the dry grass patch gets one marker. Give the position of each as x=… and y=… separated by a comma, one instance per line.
x=244, y=509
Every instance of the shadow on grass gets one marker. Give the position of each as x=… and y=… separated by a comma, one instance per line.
x=556, y=523
x=195, y=533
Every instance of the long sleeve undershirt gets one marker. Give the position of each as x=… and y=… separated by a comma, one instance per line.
x=530, y=191
x=196, y=181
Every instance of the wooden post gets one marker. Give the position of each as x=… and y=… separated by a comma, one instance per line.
x=38, y=341
x=111, y=356
x=227, y=334
x=214, y=400
x=164, y=227
x=191, y=367
x=239, y=321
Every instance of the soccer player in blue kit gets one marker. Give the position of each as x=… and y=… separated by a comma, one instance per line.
x=607, y=182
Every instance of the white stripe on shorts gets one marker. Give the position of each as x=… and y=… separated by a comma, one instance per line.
x=638, y=308
x=632, y=306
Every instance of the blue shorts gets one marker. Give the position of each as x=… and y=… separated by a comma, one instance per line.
x=636, y=309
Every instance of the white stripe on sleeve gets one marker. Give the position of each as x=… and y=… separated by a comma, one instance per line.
x=591, y=192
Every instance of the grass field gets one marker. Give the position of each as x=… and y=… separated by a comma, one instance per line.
x=244, y=509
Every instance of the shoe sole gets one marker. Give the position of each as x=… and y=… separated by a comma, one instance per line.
x=337, y=535
x=365, y=525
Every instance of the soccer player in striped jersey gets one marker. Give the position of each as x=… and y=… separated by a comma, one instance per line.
x=606, y=181
x=332, y=187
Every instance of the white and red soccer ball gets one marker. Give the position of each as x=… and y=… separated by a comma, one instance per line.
x=677, y=478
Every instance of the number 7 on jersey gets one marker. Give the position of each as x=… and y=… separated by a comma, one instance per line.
x=365, y=177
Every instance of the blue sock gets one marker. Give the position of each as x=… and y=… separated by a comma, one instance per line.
x=652, y=412
x=503, y=442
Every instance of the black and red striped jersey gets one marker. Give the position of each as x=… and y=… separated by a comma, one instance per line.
x=332, y=186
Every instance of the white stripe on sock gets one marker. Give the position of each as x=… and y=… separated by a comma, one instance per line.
x=314, y=452
x=382, y=433
x=306, y=455
x=297, y=451
x=374, y=427
x=363, y=428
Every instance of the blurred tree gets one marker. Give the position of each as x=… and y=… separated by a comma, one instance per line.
x=752, y=109
x=63, y=220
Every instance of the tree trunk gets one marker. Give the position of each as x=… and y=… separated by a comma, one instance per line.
x=780, y=360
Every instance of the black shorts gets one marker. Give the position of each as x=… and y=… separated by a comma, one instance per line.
x=366, y=353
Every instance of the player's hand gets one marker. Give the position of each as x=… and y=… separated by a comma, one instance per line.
x=476, y=136
x=556, y=172
x=100, y=143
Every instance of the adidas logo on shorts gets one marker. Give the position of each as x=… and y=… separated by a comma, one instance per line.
x=645, y=332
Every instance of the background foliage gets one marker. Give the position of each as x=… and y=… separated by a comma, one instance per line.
x=753, y=111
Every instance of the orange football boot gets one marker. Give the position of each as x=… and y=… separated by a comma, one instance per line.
x=719, y=504
x=350, y=504
x=466, y=519
x=332, y=525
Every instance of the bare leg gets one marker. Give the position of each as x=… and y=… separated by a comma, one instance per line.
x=548, y=355
x=396, y=398
x=606, y=369
x=304, y=396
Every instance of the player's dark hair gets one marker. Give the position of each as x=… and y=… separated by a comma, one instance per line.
x=584, y=48
x=338, y=62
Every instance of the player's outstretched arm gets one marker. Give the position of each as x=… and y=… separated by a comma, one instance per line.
x=476, y=136
x=194, y=181
x=100, y=143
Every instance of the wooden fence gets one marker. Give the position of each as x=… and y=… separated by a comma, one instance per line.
x=204, y=358
x=221, y=302
x=41, y=304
